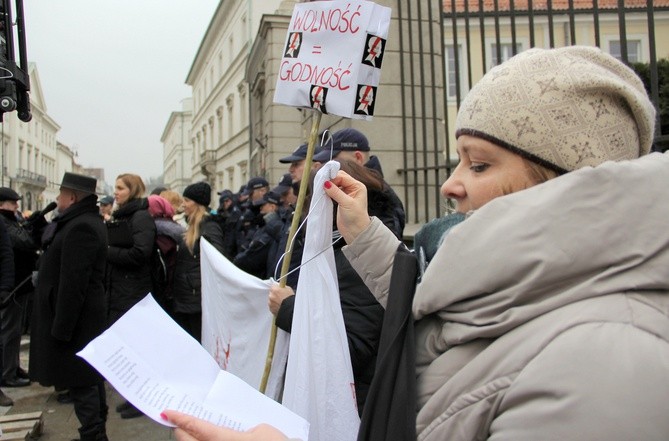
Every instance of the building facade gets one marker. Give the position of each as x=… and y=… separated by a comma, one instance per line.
x=220, y=122
x=178, y=148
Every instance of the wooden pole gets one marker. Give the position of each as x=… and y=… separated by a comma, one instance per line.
x=285, y=266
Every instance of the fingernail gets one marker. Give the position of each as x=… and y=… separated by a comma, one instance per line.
x=327, y=184
x=163, y=416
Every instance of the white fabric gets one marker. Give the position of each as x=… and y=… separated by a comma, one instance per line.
x=236, y=322
x=319, y=380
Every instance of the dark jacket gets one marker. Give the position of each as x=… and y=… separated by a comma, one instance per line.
x=255, y=259
x=24, y=248
x=396, y=218
x=229, y=220
x=187, y=281
x=6, y=262
x=69, y=307
x=391, y=398
x=128, y=270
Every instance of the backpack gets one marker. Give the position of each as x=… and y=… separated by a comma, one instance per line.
x=163, y=262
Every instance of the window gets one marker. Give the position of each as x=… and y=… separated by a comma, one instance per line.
x=633, y=50
x=453, y=76
x=506, y=51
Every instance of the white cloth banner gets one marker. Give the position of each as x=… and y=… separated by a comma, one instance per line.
x=319, y=379
x=332, y=57
x=236, y=322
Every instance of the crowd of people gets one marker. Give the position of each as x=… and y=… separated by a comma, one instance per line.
x=151, y=243
x=538, y=310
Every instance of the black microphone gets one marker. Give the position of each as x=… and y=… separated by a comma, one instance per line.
x=38, y=214
x=49, y=208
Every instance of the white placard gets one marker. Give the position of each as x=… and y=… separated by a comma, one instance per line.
x=332, y=57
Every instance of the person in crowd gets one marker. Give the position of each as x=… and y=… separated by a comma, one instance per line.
x=24, y=247
x=70, y=307
x=297, y=161
x=543, y=315
x=250, y=219
x=254, y=259
x=106, y=204
x=286, y=191
x=241, y=197
x=363, y=315
x=187, y=292
x=228, y=216
x=157, y=190
x=169, y=238
x=177, y=202
x=351, y=144
x=132, y=235
x=6, y=285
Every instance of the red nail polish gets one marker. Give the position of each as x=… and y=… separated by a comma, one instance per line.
x=163, y=416
x=327, y=184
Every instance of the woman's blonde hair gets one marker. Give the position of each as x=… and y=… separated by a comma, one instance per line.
x=192, y=233
x=134, y=183
x=173, y=198
x=536, y=174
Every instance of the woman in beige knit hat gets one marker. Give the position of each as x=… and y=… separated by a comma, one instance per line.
x=545, y=313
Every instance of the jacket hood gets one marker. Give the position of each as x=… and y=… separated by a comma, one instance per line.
x=170, y=228
x=589, y=233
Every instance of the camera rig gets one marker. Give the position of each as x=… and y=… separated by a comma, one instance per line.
x=14, y=79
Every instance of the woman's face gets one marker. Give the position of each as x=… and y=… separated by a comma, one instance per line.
x=189, y=206
x=121, y=192
x=485, y=171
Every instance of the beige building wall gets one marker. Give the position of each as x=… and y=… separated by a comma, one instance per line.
x=178, y=148
x=220, y=128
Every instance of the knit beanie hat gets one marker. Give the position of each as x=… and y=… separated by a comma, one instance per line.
x=563, y=108
x=199, y=192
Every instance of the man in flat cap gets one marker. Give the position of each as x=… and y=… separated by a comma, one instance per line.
x=69, y=308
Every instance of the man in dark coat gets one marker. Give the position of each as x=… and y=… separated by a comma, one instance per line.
x=6, y=285
x=70, y=307
x=11, y=317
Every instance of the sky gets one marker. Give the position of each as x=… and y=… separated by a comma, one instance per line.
x=113, y=71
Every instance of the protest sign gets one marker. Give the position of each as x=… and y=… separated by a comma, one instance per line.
x=236, y=321
x=332, y=57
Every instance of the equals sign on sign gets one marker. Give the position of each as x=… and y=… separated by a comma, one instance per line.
x=316, y=50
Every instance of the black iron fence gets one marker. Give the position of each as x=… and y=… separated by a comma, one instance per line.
x=478, y=34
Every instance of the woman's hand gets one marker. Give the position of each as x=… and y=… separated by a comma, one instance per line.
x=190, y=428
x=276, y=296
x=351, y=196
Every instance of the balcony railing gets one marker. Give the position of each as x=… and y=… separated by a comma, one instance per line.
x=28, y=177
x=208, y=162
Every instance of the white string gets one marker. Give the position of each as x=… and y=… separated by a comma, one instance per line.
x=292, y=243
x=313, y=203
x=324, y=141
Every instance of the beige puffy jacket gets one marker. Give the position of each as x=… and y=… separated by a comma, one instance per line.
x=545, y=315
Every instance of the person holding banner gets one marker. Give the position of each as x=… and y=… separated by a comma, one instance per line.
x=363, y=315
x=544, y=313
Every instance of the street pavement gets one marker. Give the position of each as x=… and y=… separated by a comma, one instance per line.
x=60, y=422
